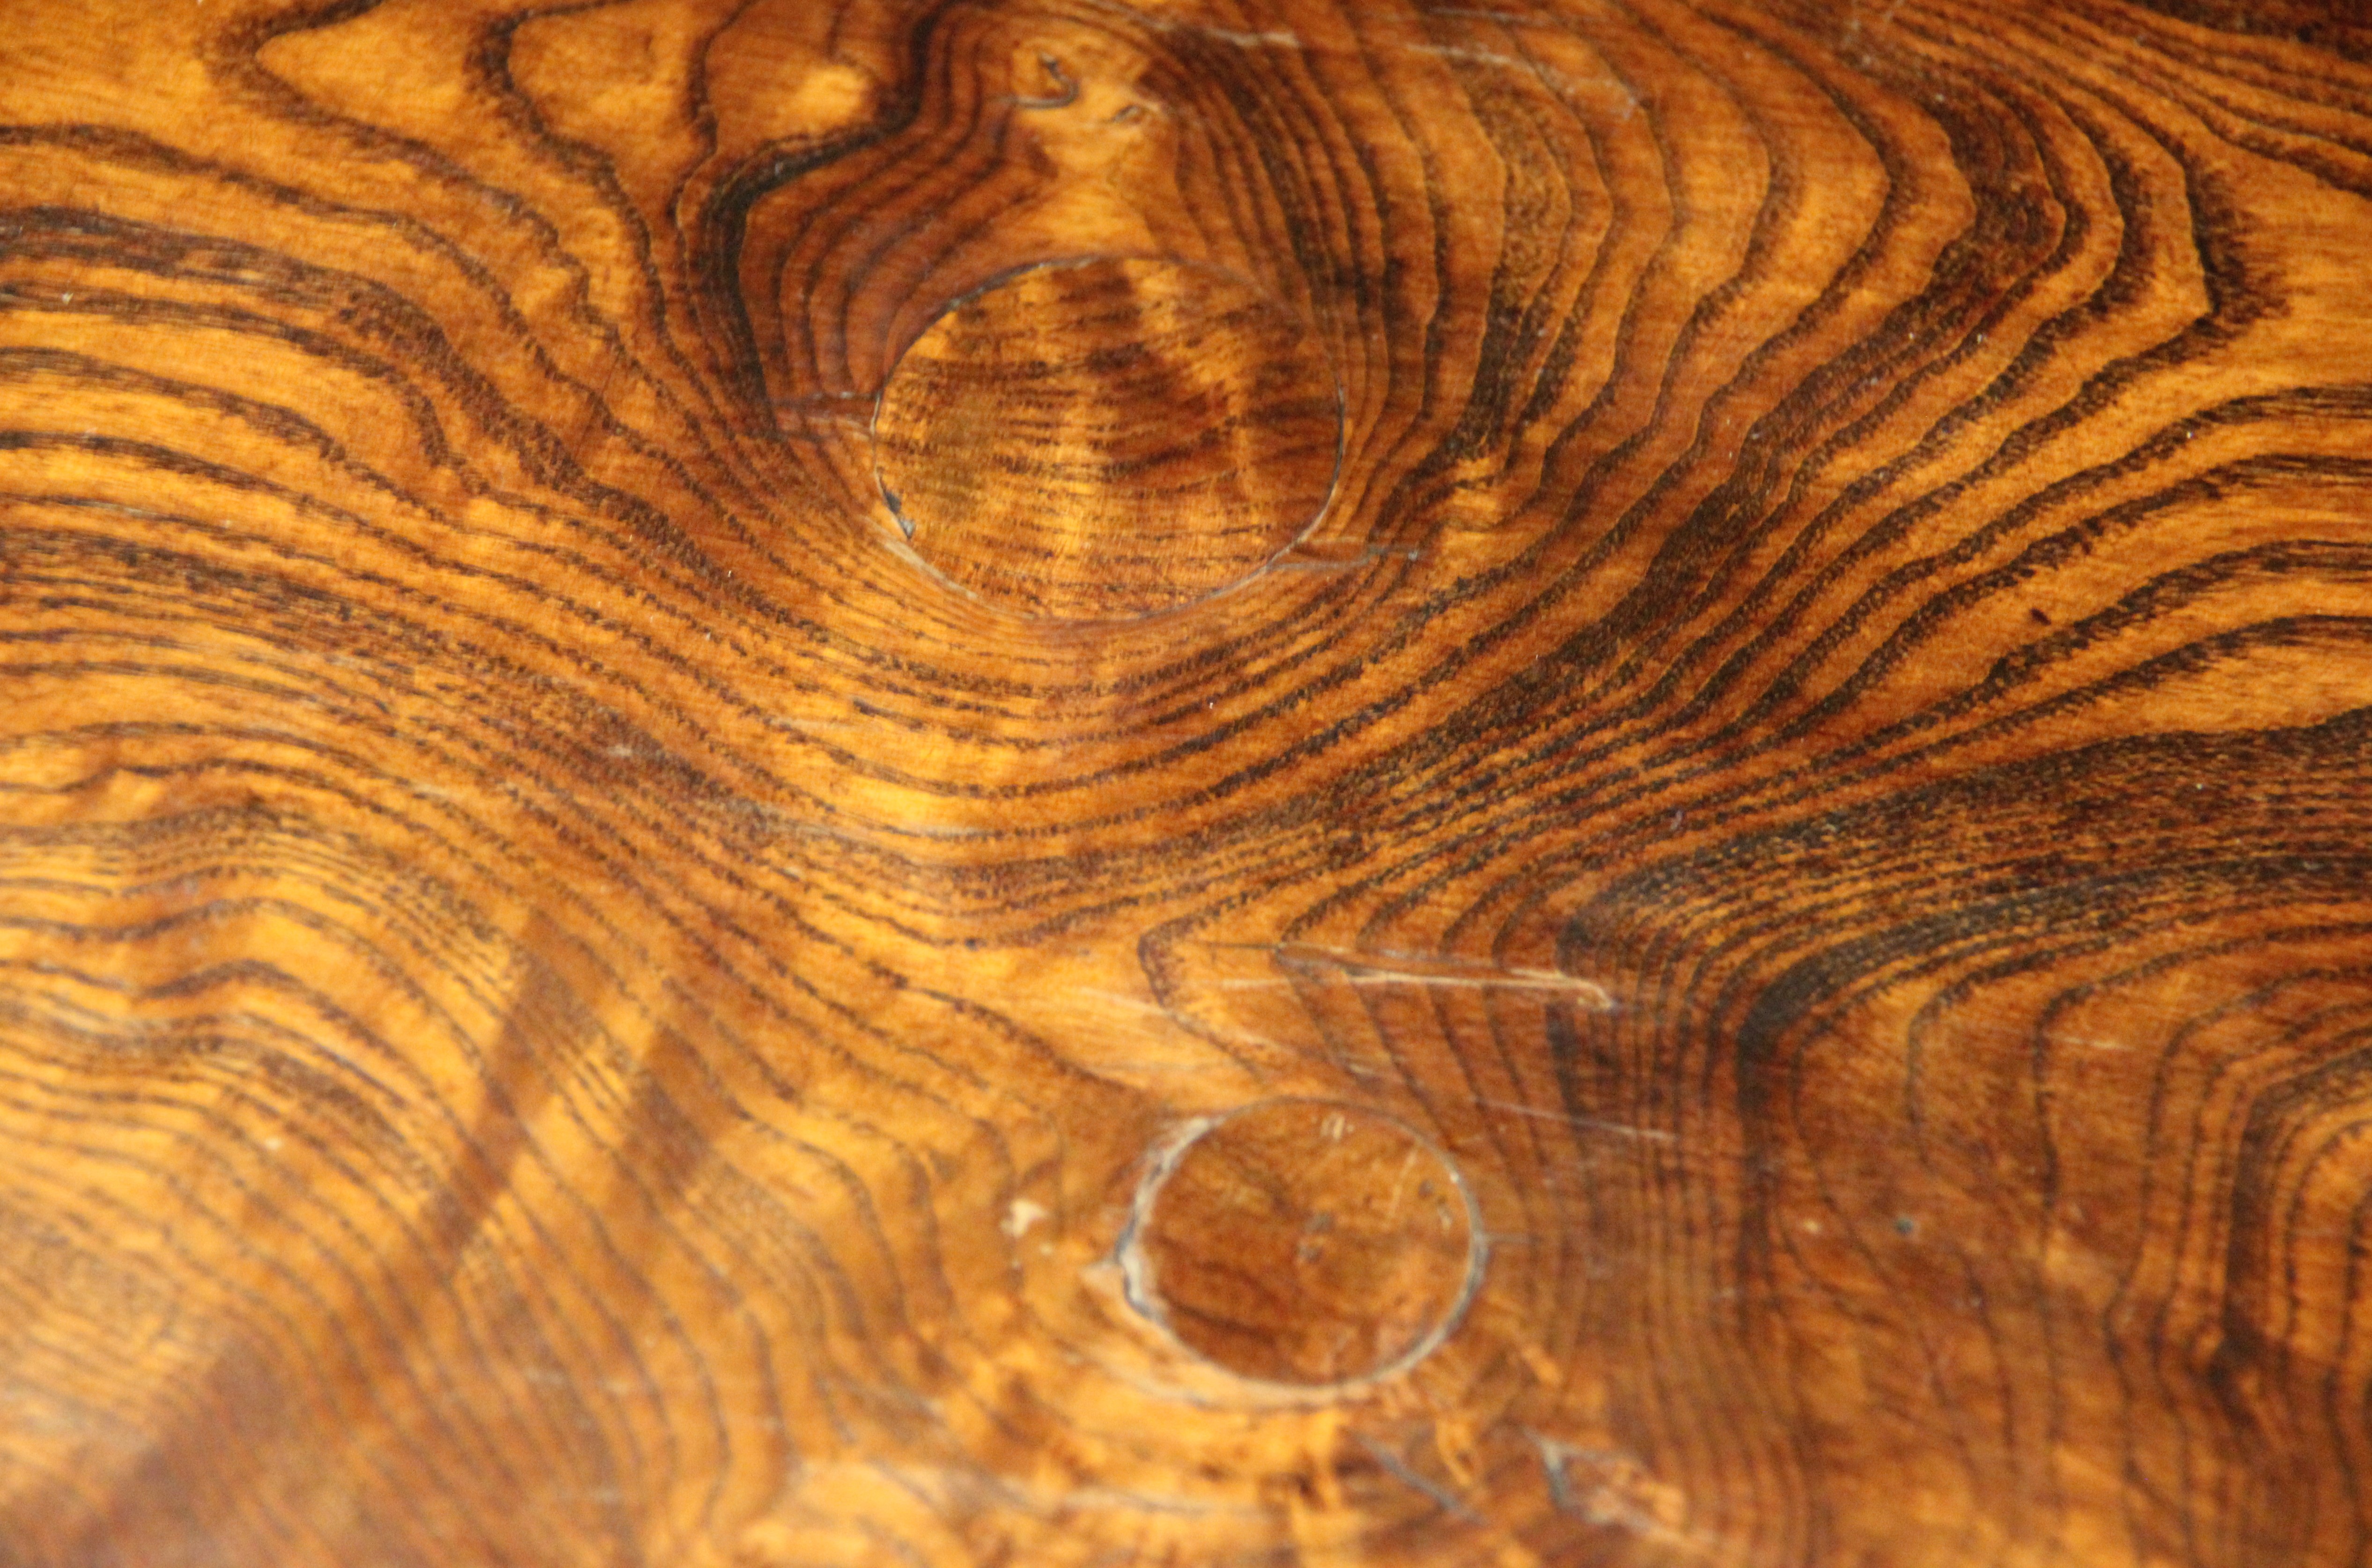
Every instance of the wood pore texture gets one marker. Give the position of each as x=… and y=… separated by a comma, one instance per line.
x=1051, y=784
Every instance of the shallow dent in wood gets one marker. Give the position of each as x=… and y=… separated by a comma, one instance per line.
x=1303, y=1242
x=1108, y=437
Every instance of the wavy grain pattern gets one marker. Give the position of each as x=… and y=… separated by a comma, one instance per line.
x=570, y=997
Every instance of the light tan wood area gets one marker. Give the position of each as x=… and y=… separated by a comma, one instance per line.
x=1267, y=783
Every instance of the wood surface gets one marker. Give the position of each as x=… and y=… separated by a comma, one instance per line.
x=913, y=783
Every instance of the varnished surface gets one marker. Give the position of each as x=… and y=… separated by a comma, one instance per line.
x=1302, y=1243
x=1769, y=706
x=1108, y=438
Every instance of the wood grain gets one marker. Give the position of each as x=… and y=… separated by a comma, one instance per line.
x=1108, y=438
x=1772, y=677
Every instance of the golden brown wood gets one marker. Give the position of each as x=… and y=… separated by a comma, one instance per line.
x=1108, y=437
x=1302, y=1243
x=1716, y=653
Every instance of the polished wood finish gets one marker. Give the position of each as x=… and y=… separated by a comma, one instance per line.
x=1107, y=438
x=1614, y=807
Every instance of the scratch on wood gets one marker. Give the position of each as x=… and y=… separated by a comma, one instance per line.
x=1400, y=1470
x=1606, y=1487
x=1394, y=969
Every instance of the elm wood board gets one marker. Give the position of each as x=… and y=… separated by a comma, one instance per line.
x=1216, y=781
